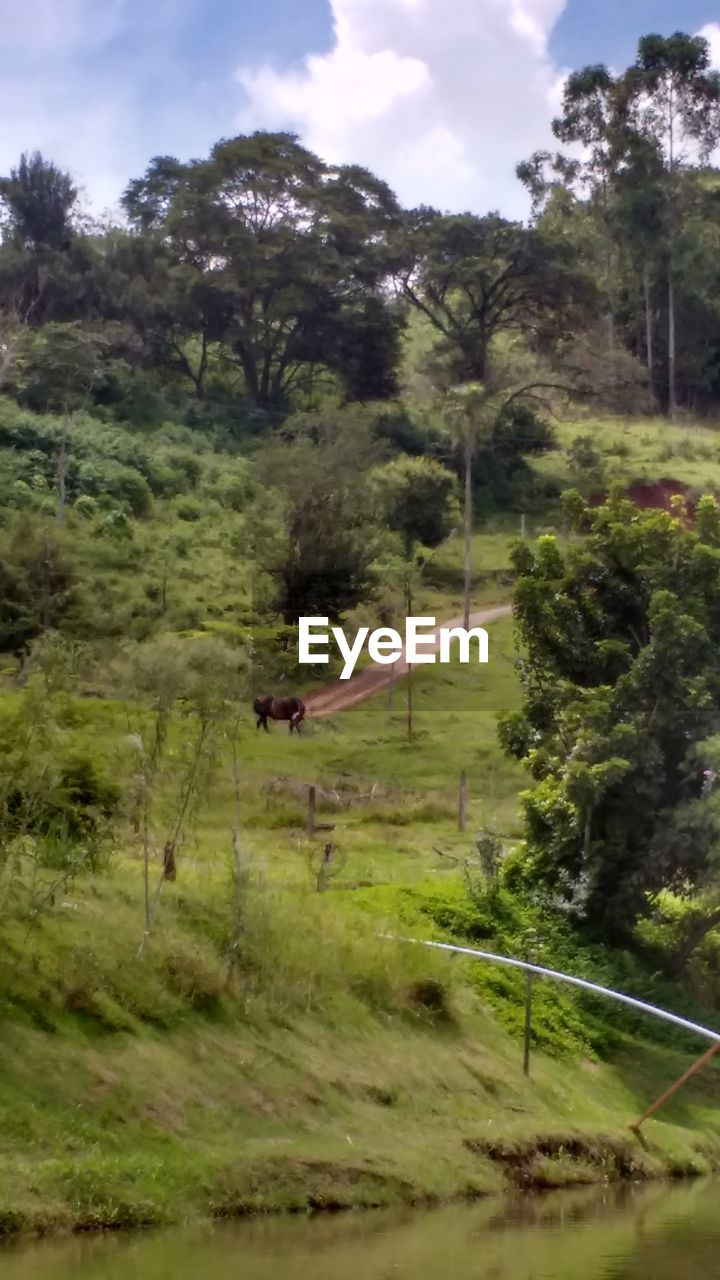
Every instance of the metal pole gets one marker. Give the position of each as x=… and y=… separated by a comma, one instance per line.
x=669, y=1093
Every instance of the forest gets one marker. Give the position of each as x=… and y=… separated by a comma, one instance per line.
x=267, y=391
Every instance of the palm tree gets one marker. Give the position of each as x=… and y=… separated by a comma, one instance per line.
x=469, y=412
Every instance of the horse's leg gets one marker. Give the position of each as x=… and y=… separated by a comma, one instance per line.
x=265, y=724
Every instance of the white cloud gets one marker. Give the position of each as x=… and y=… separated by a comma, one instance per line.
x=440, y=100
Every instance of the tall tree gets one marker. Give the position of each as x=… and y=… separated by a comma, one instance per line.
x=674, y=104
x=591, y=118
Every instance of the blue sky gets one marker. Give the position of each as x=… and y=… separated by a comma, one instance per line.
x=441, y=107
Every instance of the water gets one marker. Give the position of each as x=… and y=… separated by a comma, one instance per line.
x=631, y=1233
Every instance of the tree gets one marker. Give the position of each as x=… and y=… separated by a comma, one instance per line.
x=479, y=416
x=590, y=118
x=418, y=498
x=38, y=202
x=621, y=683
x=38, y=583
x=468, y=412
x=476, y=279
x=674, y=103
x=61, y=367
x=321, y=558
x=285, y=259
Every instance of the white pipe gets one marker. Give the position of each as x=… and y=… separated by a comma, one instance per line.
x=565, y=977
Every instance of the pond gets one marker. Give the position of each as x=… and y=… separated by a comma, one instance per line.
x=614, y=1233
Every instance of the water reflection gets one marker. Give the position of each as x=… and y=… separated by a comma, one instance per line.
x=612, y=1233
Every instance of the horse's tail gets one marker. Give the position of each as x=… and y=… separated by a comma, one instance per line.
x=299, y=710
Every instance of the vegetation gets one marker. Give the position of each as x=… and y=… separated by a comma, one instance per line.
x=275, y=393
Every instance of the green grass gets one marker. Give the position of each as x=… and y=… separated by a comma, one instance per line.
x=142, y=1091
x=647, y=450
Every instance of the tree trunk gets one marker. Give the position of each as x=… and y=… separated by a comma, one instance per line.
x=698, y=930
x=62, y=468
x=468, y=531
x=169, y=862
x=649, y=352
x=672, y=388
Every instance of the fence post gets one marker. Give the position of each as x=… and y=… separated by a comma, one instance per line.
x=528, y=1022
x=391, y=684
x=311, y=811
x=462, y=801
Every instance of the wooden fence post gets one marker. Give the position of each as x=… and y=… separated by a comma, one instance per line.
x=462, y=801
x=311, y=811
x=391, y=685
x=528, y=1022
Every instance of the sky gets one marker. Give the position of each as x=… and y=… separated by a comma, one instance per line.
x=441, y=98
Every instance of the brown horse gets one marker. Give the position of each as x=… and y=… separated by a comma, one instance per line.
x=269, y=708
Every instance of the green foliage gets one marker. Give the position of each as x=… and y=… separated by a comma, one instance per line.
x=418, y=498
x=288, y=241
x=57, y=802
x=322, y=556
x=38, y=581
x=583, y=457
x=620, y=681
x=38, y=202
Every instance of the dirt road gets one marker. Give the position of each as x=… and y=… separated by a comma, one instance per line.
x=341, y=695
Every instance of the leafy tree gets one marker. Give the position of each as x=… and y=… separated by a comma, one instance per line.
x=418, y=498
x=38, y=202
x=321, y=559
x=38, y=583
x=61, y=366
x=285, y=259
x=476, y=279
x=621, y=682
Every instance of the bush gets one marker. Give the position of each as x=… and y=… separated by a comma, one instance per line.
x=583, y=456
x=71, y=818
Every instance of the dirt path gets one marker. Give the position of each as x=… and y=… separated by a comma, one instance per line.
x=341, y=695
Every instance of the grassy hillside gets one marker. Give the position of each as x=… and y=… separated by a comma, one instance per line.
x=267, y=1050
x=322, y=1066
x=630, y=450
x=328, y=1070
